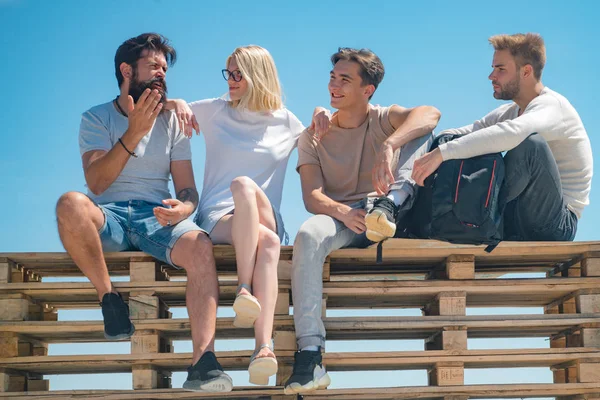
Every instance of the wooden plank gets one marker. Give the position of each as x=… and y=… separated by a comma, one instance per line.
x=460, y=266
x=588, y=303
x=447, y=303
x=447, y=340
x=144, y=271
x=145, y=341
x=506, y=255
x=590, y=337
x=326, y=270
x=284, y=340
x=590, y=264
x=9, y=344
x=282, y=305
x=148, y=377
x=588, y=372
x=447, y=374
x=388, y=393
x=338, y=328
x=480, y=293
x=83, y=295
x=144, y=307
x=36, y=385
x=6, y=267
x=14, y=307
x=437, y=251
x=238, y=360
x=283, y=374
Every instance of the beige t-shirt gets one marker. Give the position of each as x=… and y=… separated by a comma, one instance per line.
x=347, y=156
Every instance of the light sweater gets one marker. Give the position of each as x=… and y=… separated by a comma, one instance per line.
x=551, y=116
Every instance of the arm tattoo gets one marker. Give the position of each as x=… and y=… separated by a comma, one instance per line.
x=188, y=194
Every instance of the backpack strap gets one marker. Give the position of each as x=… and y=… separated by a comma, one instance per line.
x=491, y=247
x=379, y=258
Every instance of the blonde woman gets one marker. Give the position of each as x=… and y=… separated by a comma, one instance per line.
x=249, y=139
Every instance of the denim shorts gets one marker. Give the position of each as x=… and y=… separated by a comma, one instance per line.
x=132, y=226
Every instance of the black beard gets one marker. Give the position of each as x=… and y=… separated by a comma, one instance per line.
x=136, y=88
x=510, y=91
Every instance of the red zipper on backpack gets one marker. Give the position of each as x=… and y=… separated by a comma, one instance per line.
x=458, y=182
x=490, y=188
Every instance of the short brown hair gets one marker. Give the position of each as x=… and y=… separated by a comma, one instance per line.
x=371, y=67
x=131, y=51
x=526, y=48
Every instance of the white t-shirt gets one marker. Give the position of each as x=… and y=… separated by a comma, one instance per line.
x=551, y=116
x=147, y=176
x=242, y=143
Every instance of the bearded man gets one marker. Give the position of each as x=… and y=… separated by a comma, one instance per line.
x=129, y=148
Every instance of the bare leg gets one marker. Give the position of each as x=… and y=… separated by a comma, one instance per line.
x=251, y=230
x=78, y=222
x=265, y=285
x=194, y=252
x=251, y=209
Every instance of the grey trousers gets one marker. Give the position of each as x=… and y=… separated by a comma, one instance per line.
x=322, y=234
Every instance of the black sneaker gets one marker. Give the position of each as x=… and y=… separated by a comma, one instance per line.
x=381, y=220
x=208, y=376
x=309, y=373
x=117, y=324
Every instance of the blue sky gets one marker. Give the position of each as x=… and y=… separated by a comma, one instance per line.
x=58, y=62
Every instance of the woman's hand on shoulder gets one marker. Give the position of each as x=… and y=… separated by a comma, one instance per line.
x=185, y=116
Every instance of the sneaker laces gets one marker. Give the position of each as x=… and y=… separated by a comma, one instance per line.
x=387, y=205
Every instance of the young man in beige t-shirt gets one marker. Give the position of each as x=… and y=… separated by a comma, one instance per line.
x=368, y=152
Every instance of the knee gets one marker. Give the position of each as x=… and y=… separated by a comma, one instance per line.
x=308, y=237
x=269, y=240
x=532, y=148
x=242, y=186
x=200, y=253
x=71, y=204
x=531, y=145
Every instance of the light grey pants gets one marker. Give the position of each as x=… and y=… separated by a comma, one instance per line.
x=322, y=234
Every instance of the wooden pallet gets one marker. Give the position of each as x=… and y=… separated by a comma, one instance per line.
x=441, y=279
x=580, y=391
x=338, y=328
x=367, y=361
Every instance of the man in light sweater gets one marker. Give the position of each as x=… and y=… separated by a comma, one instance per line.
x=548, y=162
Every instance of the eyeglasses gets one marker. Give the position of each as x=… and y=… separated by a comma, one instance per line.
x=236, y=75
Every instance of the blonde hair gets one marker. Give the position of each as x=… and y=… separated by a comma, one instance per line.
x=526, y=48
x=258, y=69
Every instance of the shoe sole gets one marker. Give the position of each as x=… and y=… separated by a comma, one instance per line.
x=378, y=226
x=247, y=309
x=217, y=385
x=261, y=369
x=121, y=335
x=296, y=388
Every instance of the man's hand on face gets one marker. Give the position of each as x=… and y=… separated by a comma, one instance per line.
x=426, y=166
x=354, y=219
x=143, y=114
x=381, y=174
x=174, y=215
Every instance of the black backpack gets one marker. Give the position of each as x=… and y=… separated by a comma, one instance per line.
x=459, y=202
